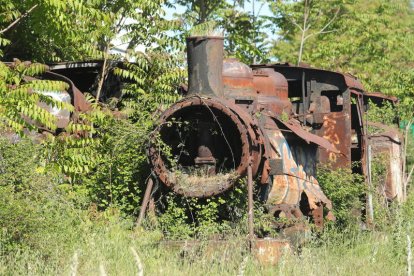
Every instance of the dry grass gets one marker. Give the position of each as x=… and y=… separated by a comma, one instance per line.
x=201, y=182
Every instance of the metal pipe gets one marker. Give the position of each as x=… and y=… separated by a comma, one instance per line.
x=250, y=200
x=370, y=204
x=147, y=195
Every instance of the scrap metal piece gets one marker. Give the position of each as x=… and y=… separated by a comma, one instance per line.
x=145, y=201
x=269, y=251
x=250, y=212
x=308, y=137
x=232, y=124
x=387, y=147
x=297, y=184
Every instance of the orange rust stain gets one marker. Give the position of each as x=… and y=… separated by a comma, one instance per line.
x=287, y=188
x=330, y=134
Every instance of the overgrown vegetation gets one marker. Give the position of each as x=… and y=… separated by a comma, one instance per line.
x=68, y=201
x=345, y=189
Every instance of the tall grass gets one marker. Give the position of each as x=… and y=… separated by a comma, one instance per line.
x=108, y=244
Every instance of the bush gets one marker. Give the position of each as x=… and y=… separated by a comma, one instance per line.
x=345, y=190
x=212, y=217
x=34, y=214
x=18, y=163
x=122, y=168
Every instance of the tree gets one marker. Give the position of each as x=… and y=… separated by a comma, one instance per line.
x=48, y=30
x=244, y=29
x=200, y=11
x=245, y=32
x=296, y=22
x=370, y=39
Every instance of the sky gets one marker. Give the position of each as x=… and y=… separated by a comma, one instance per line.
x=262, y=9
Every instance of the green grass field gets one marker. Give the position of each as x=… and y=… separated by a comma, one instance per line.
x=106, y=248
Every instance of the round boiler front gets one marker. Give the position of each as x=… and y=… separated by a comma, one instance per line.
x=203, y=147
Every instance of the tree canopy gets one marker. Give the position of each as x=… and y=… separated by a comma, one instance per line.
x=369, y=39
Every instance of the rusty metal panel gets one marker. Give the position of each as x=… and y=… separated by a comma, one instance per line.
x=375, y=96
x=237, y=79
x=78, y=98
x=387, y=147
x=309, y=137
x=298, y=176
x=271, y=90
x=270, y=251
x=336, y=129
x=268, y=82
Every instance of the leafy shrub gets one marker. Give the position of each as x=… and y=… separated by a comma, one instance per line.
x=19, y=97
x=216, y=216
x=385, y=114
x=34, y=214
x=344, y=189
x=122, y=167
x=18, y=162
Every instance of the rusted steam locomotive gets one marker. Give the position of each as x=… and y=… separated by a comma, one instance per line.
x=273, y=123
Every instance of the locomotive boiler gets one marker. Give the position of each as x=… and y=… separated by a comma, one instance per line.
x=271, y=122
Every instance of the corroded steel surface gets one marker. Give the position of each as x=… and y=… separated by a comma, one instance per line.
x=379, y=95
x=267, y=82
x=296, y=179
x=336, y=129
x=284, y=119
x=309, y=137
x=237, y=79
x=246, y=130
x=270, y=251
x=205, y=63
x=78, y=98
x=387, y=148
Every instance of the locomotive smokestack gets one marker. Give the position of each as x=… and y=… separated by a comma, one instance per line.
x=205, y=65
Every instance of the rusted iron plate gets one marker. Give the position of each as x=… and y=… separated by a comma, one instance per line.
x=270, y=251
x=309, y=137
x=268, y=82
x=352, y=82
x=379, y=95
x=297, y=179
x=387, y=147
x=78, y=98
x=237, y=79
x=336, y=129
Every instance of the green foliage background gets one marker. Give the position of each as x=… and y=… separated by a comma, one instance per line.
x=369, y=39
x=79, y=190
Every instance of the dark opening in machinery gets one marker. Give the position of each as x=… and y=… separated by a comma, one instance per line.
x=191, y=127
